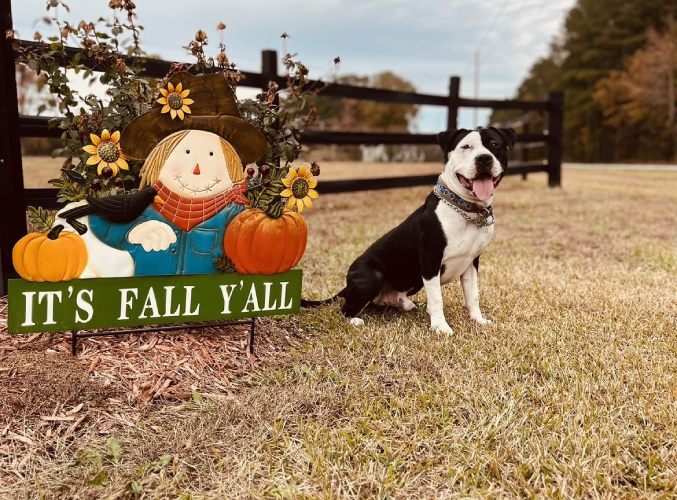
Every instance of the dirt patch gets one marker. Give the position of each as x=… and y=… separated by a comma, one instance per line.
x=44, y=384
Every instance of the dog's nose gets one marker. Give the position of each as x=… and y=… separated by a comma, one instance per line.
x=484, y=160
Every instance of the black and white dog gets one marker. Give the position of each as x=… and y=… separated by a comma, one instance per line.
x=442, y=240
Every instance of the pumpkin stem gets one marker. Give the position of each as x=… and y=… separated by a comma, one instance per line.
x=55, y=232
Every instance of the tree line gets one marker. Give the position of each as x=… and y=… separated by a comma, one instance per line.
x=616, y=62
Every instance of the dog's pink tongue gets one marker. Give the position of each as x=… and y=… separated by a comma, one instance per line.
x=483, y=187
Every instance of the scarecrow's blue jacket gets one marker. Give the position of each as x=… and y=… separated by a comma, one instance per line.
x=193, y=252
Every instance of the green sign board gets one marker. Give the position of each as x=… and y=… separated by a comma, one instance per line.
x=87, y=304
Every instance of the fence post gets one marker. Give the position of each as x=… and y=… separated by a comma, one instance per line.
x=525, y=150
x=12, y=196
x=268, y=68
x=452, y=106
x=555, y=125
x=269, y=74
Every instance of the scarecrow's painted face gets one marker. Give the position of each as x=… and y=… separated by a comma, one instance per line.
x=197, y=167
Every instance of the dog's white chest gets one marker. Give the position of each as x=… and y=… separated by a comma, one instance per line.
x=465, y=241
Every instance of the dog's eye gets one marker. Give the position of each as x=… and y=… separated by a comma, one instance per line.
x=494, y=144
x=466, y=146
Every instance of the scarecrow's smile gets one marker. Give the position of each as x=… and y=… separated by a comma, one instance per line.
x=185, y=186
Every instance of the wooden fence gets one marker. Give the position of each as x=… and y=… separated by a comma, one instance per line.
x=14, y=198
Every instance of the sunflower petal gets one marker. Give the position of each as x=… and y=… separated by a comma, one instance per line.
x=93, y=160
x=185, y=93
x=162, y=100
x=105, y=135
x=178, y=88
x=164, y=92
x=90, y=148
x=286, y=193
x=299, y=205
x=115, y=168
x=122, y=163
x=165, y=109
x=307, y=202
x=180, y=114
x=312, y=183
x=186, y=109
x=170, y=87
x=291, y=203
x=313, y=194
x=101, y=166
x=188, y=102
x=293, y=174
x=303, y=172
x=115, y=137
x=286, y=181
x=96, y=140
x=172, y=113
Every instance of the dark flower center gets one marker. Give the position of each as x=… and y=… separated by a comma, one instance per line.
x=108, y=152
x=299, y=188
x=175, y=101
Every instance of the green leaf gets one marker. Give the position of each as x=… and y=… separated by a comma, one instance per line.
x=39, y=219
x=164, y=461
x=114, y=449
x=100, y=480
x=136, y=487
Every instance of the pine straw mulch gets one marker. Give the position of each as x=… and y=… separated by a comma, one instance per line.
x=41, y=381
x=50, y=399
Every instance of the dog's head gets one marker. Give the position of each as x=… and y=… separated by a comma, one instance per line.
x=476, y=160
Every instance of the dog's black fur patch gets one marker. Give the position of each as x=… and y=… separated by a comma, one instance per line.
x=400, y=258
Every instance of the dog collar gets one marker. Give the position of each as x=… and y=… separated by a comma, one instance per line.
x=446, y=195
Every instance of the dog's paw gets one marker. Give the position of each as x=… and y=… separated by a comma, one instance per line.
x=441, y=327
x=482, y=321
x=405, y=304
x=357, y=322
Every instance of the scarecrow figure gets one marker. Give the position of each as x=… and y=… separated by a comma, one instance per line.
x=192, y=181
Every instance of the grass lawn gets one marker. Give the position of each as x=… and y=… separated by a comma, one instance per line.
x=572, y=392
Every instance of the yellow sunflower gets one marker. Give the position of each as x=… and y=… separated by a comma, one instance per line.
x=105, y=152
x=175, y=101
x=299, y=185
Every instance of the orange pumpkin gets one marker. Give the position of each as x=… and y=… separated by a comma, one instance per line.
x=260, y=244
x=52, y=256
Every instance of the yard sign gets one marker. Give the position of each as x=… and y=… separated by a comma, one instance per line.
x=187, y=246
x=123, y=302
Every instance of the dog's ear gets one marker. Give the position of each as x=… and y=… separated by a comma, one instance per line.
x=449, y=138
x=508, y=135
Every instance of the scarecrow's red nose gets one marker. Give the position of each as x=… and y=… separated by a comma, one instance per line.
x=196, y=170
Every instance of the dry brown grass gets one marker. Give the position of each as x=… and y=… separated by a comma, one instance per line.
x=572, y=393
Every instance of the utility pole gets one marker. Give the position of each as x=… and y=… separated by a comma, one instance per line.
x=476, y=85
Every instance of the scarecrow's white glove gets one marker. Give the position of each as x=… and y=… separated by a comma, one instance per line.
x=152, y=235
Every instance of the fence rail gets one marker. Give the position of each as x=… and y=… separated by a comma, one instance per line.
x=14, y=198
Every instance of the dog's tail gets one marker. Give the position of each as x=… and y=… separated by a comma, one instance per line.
x=318, y=303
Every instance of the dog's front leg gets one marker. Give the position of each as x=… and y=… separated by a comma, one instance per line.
x=471, y=291
x=430, y=260
x=433, y=292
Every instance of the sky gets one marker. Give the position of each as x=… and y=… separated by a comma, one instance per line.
x=425, y=41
